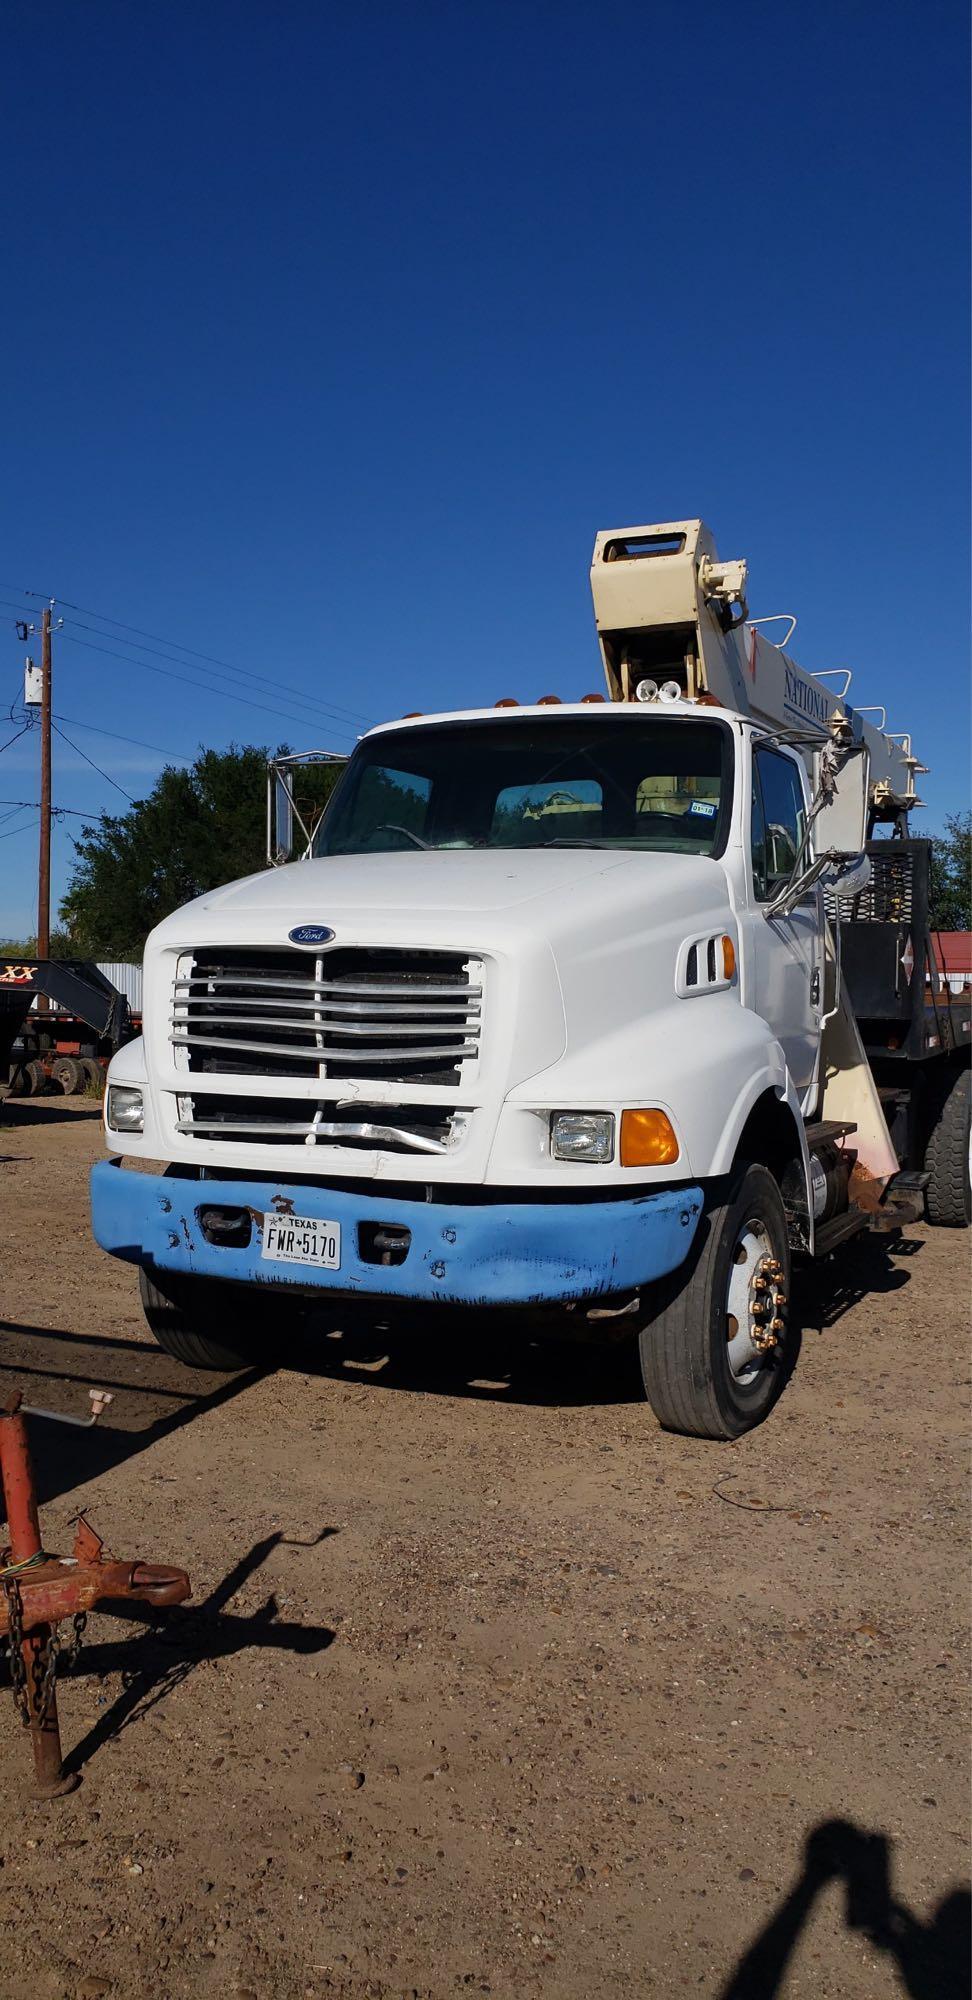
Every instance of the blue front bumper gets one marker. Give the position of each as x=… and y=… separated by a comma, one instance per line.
x=474, y=1254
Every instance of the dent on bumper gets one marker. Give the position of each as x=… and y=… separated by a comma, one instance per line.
x=529, y=1253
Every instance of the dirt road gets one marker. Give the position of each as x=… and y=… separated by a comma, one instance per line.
x=488, y=1685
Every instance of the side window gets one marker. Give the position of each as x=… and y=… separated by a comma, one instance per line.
x=779, y=821
x=757, y=838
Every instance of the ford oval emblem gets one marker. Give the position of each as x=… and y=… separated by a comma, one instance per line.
x=310, y=934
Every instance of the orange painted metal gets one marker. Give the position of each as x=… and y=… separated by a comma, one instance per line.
x=41, y=1590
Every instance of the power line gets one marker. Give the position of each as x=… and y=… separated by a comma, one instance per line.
x=33, y=805
x=352, y=714
x=262, y=682
x=244, y=701
x=94, y=766
x=27, y=827
x=15, y=739
x=138, y=741
x=176, y=645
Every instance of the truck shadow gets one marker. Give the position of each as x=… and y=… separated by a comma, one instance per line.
x=467, y=1355
x=54, y=1367
x=871, y=1265
x=493, y=1357
x=932, y=1960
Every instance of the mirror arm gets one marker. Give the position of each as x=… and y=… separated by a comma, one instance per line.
x=798, y=885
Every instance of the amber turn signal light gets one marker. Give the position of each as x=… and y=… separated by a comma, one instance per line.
x=728, y=958
x=647, y=1139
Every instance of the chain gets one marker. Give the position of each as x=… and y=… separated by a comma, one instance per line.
x=44, y=1678
x=70, y=1653
x=33, y=1706
x=15, y=1649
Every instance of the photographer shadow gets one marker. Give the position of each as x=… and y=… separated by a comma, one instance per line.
x=933, y=1960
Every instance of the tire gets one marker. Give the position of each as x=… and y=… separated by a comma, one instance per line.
x=701, y=1377
x=68, y=1074
x=176, y=1314
x=93, y=1071
x=37, y=1079
x=949, y=1196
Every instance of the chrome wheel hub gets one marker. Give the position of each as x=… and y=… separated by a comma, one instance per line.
x=755, y=1302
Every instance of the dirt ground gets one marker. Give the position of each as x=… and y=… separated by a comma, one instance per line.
x=487, y=1684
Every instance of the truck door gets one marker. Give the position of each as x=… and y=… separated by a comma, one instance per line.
x=787, y=950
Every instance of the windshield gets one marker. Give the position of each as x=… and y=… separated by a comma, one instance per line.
x=572, y=781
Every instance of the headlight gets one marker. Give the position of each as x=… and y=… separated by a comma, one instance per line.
x=124, y=1109
x=582, y=1135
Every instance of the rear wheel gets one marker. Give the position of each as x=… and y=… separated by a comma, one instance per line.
x=949, y=1196
x=179, y=1312
x=68, y=1074
x=719, y=1348
x=37, y=1079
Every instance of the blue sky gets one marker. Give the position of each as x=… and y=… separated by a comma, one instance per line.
x=328, y=344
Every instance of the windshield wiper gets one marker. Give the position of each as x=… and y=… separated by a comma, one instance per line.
x=568, y=840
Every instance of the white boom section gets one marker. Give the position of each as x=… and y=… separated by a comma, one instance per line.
x=668, y=610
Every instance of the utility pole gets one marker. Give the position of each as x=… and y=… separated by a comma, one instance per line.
x=44, y=867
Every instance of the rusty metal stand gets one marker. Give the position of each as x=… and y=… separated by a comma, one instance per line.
x=39, y=1590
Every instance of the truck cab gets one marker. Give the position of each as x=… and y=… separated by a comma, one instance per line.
x=548, y=1021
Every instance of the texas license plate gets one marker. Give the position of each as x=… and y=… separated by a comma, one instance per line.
x=302, y=1239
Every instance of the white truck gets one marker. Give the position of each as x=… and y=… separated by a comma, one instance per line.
x=551, y=1019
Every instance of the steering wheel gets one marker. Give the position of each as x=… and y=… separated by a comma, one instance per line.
x=389, y=826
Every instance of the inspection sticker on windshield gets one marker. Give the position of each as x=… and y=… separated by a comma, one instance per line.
x=302, y=1239
x=703, y=809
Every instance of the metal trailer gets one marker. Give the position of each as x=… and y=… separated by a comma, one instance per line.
x=68, y=1046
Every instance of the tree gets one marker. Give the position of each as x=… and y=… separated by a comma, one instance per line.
x=950, y=893
x=199, y=827
x=60, y=946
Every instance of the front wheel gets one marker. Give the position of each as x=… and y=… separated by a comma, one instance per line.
x=718, y=1348
x=178, y=1311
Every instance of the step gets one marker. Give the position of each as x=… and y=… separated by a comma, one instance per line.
x=831, y=1234
x=825, y=1131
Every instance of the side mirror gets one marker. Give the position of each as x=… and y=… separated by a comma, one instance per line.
x=841, y=800
x=281, y=840
x=846, y=875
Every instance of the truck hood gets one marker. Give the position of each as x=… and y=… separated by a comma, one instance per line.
x=421, y=894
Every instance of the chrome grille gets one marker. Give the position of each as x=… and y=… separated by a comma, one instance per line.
x=400, y=1015
x=412, y=1128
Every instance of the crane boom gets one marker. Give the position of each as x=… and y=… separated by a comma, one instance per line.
x=668, y=610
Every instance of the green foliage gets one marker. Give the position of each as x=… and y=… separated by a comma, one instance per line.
x=199, y=827
x=950, y=903
x=61, y=946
